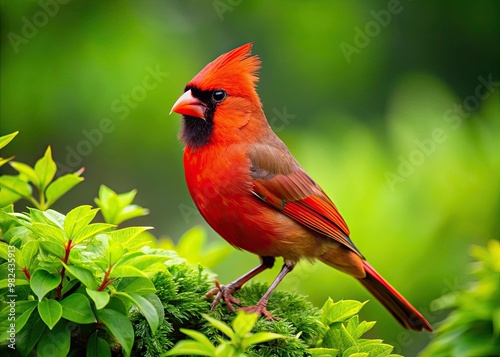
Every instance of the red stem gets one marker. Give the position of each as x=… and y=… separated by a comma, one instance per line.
x=26, y=272
x=63, y=270
x=105, y=281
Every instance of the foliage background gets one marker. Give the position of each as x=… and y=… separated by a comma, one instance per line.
x=349, y=120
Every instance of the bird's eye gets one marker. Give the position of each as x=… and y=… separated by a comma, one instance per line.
x=219, y=95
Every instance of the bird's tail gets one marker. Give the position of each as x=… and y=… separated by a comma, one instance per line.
x=393, y=301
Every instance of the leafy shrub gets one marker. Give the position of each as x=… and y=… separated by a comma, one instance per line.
x=74, y=287
x=180, y=289
x=473, y=327
x=302, y=330
x=13, y=188
x=70, y=283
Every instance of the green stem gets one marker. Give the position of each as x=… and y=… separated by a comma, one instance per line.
x=42, y=201
x=34, y=201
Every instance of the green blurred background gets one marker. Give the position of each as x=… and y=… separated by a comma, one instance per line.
x=392, y=107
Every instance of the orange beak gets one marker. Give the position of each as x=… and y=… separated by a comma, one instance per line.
x=189, y=105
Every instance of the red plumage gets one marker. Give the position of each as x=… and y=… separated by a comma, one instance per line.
x=251, y=190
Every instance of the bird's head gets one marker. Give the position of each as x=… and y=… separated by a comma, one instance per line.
x=221, y=99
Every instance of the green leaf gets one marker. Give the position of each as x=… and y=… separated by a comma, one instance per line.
x=130, y=237
x=259, y=337
x=97, y=347
x=363, y=327
x=26, y=170
x=53, y=246
x=49, y=232
x=199, y=337
x=93, y=253
x=68, y=286
x=43, y=281
x=6, y=160
x=220, y=326
x=352, y=325
x=50, y=311
x=78, y=218
x=114, y=252
x=128, y=234
x=7, y=216
x=83, y=275
x=118, y=208
x=23, y=312
x=331, y=338
x=117, y=304
x=45, y=169
x=145, y=307
x=55, y=342
x=323, y=352
x=244, y=323
x=346, y=340
x=60, y=186
x=15, y=185
x=53, y=217
x=141, y=260
x=372, y=348
x=28, y=337
x=100, y=298
x=340, y=310
x=188, y=347
x=226, y=349
x=4, y=283
x=8, y=197
x=157, y=304
x=108, y=203
x=91, y=230
x=126, y=271
x=120, y=326
x=5, y=139
x=132, y=211
x=30, y=251
x=76, y=308
x=8, y=254
x=137, y=285
x=36, y=215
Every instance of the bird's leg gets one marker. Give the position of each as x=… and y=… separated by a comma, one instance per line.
x=261, y=307
x=225, y=292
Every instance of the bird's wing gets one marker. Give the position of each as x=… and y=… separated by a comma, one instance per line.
x=279, y=181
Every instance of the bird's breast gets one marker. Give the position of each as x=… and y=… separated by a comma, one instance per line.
x=220, y=185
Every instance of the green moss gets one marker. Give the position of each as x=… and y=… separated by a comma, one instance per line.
x=181, y=289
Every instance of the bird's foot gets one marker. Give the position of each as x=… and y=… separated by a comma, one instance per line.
x=223, y=292
x=260, y=310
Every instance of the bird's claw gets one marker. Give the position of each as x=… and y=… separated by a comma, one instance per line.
x=223, y=292
x=259, y=310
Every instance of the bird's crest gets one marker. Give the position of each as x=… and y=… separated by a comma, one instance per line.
x=234, y=71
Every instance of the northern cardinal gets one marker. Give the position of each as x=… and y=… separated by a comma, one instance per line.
x=253, y=192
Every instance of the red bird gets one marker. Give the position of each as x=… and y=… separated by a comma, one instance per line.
x=252, y=191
